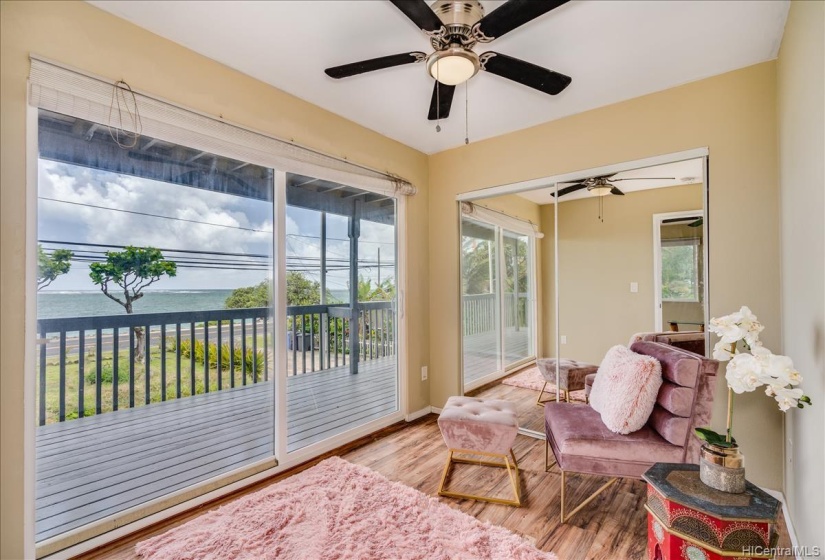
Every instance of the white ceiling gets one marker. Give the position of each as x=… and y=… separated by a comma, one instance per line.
x=686, y=172
x=613, y=50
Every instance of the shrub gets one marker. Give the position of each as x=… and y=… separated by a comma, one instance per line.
x=106, y=374
x=186, y=349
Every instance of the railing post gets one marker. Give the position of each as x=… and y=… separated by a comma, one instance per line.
x=41, y=405
x=115, y=366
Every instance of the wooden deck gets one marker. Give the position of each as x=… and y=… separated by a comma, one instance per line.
x=93, y=467
x=481, y=352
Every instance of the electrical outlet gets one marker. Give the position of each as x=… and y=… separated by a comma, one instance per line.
x=423, y=373
x=564, y=339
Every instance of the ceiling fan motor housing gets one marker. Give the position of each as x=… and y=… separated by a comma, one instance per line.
x=458, y=17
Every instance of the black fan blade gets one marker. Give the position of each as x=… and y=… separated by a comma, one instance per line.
x=676, y=220
x=572, y=188
x=507, y=17
x=615, y=190
x=420, y=14
x=441, y=102
x=379, y=63
x=644, y=179
x=524, y=73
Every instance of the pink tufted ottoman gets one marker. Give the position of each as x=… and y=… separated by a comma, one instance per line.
x=571, y=375
x=480, y=427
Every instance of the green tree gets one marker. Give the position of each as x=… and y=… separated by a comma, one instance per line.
x=300, y=290
x=50, y=266
x=250, y=296
x=132, y=270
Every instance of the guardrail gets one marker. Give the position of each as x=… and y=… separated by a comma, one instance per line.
x=93, y=365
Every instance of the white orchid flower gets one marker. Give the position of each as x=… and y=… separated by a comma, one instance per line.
x=780, y=370
x=786, y=397
x=744, y=373
x=722, y=351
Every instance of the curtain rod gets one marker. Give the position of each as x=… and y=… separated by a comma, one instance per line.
x=499, y=212
x=386, y=174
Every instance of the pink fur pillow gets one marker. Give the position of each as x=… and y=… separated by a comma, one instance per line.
x=625, y=389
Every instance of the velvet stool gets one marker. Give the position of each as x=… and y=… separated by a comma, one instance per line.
x=482, y=427
x=571, y=375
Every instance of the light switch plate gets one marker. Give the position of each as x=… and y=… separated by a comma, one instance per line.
x=634, y=287
x=423, y=373
x=564, y=339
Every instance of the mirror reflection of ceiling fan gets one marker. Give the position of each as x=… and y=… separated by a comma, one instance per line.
x=454, y=27
x=695, y=221
x=604, y=185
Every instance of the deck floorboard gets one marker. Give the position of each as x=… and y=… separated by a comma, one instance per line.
x=93, y=467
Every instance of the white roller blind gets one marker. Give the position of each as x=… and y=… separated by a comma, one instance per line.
x=500, y=219
x=63, y=90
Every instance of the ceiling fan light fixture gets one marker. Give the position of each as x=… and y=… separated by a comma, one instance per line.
x=601, y=190
x=453, y=66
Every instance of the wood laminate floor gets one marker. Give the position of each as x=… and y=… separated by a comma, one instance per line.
x=612, y=527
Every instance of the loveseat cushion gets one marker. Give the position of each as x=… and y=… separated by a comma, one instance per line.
x=582, y=443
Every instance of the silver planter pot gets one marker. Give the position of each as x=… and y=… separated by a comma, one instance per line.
x=722, y=468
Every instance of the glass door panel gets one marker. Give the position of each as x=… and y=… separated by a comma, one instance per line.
x=480, y=301
x=154, y=362
x=341, y=369
x=517, y=298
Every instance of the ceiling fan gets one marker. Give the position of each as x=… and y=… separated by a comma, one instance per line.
x=454, y=28
x=604, y=184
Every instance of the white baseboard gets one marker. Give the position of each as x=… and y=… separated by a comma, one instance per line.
x=418, y=414
x=787, y=515
x=435, y=410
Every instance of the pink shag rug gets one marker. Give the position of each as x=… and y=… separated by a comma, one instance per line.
x=532, y=379
x=337, y=510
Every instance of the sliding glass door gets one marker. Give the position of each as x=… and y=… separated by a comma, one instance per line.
x=497, y=274
x=163, y=371
x=342, y=359
x=480, y=301
x=155, y=354
x=517, y=298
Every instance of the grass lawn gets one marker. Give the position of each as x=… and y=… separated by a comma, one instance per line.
x=74, y=380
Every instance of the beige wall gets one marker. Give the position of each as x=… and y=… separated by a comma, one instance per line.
x=734, y=115
x=801, y=79
x=599, y=260
x=83, y=36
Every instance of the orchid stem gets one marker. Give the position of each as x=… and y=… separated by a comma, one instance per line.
x=730, y=415
x=728, y=437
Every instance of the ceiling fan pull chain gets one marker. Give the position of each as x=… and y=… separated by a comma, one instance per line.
x=437, y=100
x=466, y=113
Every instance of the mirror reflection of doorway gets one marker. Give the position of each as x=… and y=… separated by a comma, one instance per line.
x=680, y=271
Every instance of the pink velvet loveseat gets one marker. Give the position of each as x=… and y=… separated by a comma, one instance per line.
x=581, y=443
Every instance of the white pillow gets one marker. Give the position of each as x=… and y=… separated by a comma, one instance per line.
x=625, y=389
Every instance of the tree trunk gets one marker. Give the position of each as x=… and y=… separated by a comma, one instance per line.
x=138, y=349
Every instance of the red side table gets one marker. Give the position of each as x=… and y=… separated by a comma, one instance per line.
x=688, y=520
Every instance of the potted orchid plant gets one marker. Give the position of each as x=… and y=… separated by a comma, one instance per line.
x=750, y=366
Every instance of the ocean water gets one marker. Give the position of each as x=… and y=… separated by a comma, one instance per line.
x=94, y=303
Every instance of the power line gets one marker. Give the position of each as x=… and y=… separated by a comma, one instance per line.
x=152, y=215
x=77, y=243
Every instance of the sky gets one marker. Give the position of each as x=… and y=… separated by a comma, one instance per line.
x=201, y=220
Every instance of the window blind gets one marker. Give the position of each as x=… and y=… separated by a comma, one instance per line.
x=56, y=88
x=500, y=219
